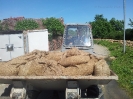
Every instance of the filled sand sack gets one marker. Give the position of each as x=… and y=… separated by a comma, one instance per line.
x=54, y=56
x=101, y=68
x=74, y=60
x=11, y=68
x=8, y=70
x=82, y=69
x=74, y=52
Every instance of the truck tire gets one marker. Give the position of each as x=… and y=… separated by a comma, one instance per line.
x=48, y=94
x=93, y=91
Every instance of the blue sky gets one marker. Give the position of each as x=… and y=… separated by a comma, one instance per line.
x=73, y=11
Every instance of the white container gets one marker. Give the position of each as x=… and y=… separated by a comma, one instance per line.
x=11, y=46
x=37, y=40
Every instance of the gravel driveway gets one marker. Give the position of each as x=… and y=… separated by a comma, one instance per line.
x=111, y=91
x=101, y=51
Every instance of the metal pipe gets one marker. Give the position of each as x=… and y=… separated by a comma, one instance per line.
x=124, y=43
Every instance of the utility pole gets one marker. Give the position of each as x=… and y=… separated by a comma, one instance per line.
x=124, y=42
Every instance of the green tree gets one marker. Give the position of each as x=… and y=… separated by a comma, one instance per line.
x=117, y=24
x=54, y=26
x=5, y=27
x=131, y=23
x=101, y=27
x=26, y=24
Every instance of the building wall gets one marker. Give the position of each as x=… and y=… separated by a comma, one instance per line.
x=55, y=43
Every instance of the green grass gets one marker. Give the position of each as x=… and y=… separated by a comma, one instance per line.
x=122, y=65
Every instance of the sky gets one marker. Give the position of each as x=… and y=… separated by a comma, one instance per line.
x=73, y=11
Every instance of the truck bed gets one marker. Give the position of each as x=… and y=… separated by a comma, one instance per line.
x=59, y=82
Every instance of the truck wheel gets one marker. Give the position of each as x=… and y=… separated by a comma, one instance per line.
x=93, y=91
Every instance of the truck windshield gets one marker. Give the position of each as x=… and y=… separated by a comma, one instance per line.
x=77, y=35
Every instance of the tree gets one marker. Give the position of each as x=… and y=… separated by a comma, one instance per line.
x=101, y=27
x=6, y=27
x=117, y=30
x=26, y=24
x=54, y=26
x=131, y=23
x=117, y=24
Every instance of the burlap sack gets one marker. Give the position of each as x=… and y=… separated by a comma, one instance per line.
x=8, y=70
x=2, y=63
x=36, y=69
x=74, y=60
x=11, y=68
x=101, y=68
x=82, y=70
x=54, y=56
x=94, y=58
x=40, y=67
x=86, y=69
x=23, y=69
x=17, y=62
x=52, y=68
x=74, y=52
x=71, y=71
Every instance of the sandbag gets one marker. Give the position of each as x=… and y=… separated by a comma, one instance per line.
x=101, y=68
x=9, y=70
x=74, y=52
x=23, y=69
x=54, y=56
x=82, y=69
x=74, y=60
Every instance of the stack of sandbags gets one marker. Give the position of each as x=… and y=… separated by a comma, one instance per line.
x=69, y=63
x=40, y=67
x=82, y=69
x=34, y=63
